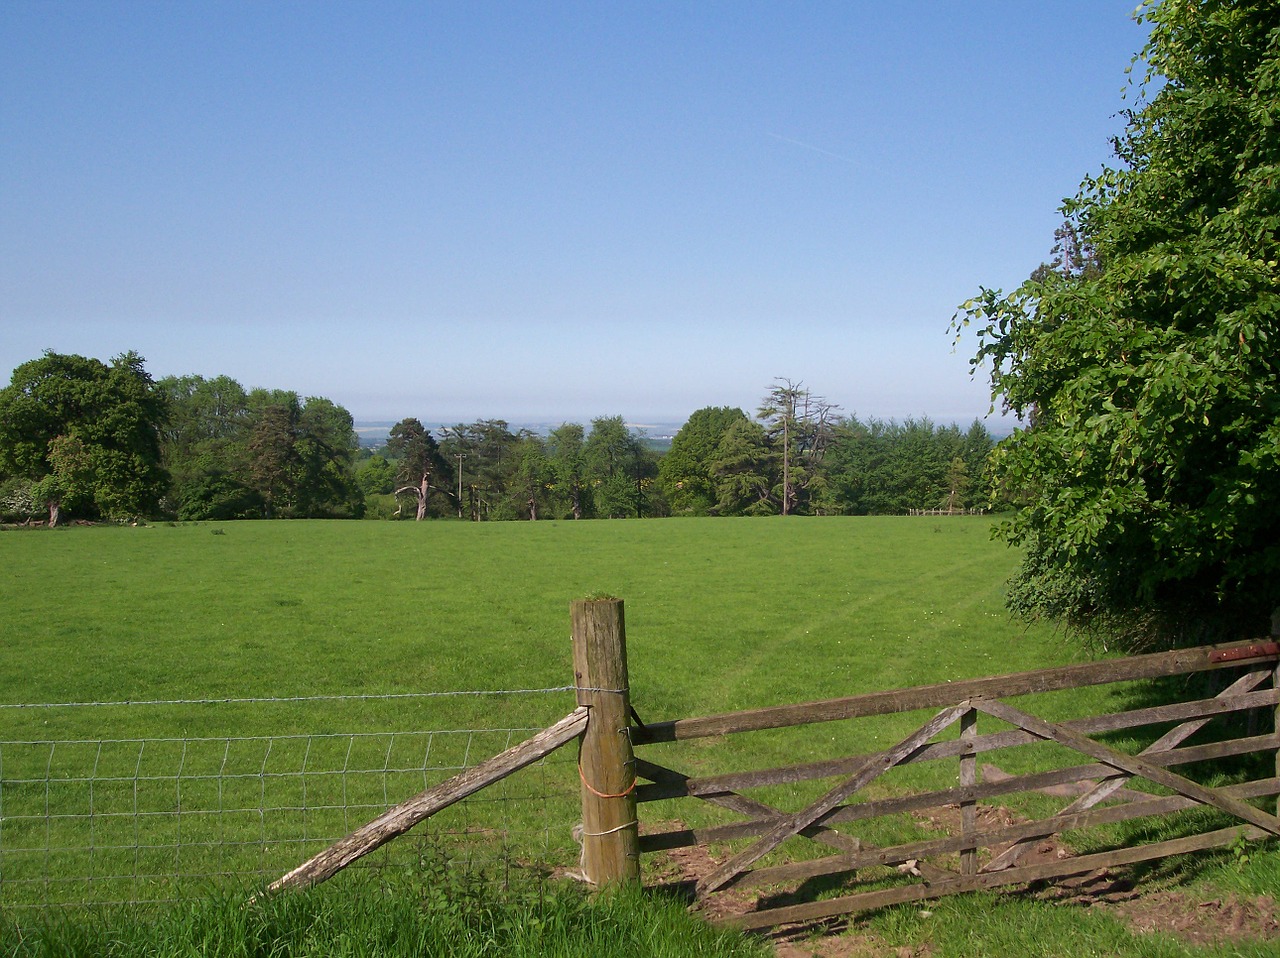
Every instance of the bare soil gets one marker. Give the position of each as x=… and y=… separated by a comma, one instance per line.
x=1193, y=919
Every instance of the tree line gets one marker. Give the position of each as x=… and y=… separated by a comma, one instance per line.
x=80, y=438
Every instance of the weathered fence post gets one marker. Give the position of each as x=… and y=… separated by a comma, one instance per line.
x=1275, y=684
x=968, y=779
x=610, y=832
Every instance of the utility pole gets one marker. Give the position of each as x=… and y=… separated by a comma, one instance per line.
x=460, y=457
x=786, y=460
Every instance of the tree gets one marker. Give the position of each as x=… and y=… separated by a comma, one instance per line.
x=486, y=450
x=273, y=456
x=618, y=467
x=685, y=470
x=533, y=477
x=800, y=426
x=422, y=469
x=569, y=466
x=744, y=469
x=326, y=450
x=376, y=476
x=1149, y=382
x=84, y=435
x=203, y=446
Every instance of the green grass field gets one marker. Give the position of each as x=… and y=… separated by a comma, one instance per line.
x=721, y=615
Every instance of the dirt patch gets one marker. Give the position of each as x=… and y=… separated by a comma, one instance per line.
x=1192, y=919
x=1199, y=921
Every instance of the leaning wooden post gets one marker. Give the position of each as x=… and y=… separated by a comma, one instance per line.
x=610, y=834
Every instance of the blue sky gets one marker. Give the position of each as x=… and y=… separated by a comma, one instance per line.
x=543, y=211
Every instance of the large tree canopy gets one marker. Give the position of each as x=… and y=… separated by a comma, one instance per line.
x=1146, y=368
x=83, y=435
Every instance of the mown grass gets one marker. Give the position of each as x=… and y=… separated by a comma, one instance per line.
x=721, y=615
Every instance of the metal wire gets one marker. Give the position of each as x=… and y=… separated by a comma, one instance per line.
x=109, y=820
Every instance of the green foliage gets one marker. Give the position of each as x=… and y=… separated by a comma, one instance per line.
x=743, y=470
x=84, y=435
x=1148, y=373
x=376, y=476
x=420, y=470
x=486, y=448
x=571, y=485
x=620, y=466
x=238, y=455
x=889, y=468
x=685, y=471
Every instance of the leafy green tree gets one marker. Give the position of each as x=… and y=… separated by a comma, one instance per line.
x=326, y=450
x=203, y=446
x=1150, y=464
x=272, y=453
x=84, y=435
x=572, y=484
x=618, y=466
x=533, y=477
x=376, y=476
x=744, y=468
x=684, y=472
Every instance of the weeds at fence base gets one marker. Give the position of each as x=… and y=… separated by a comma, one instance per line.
x=446, y=912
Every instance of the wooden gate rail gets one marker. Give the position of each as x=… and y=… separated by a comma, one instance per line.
x=979, y=856
x=1151, y=666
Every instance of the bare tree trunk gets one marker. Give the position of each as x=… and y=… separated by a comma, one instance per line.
x=55, y=509
x=420, y=491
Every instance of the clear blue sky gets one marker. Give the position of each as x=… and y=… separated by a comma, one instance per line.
x=542, y=211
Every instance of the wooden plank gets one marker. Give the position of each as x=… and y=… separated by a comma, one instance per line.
x=784, y=775
x=1128, y=763
x=990, y=838
x=867, y=901
x=822, y=834
x=877, y=766
x=399, y=819
x=1072, y=789
x=1108, y=787
x=1157, y=664
x=1009, y=785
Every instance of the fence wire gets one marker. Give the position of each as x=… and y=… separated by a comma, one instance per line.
x=141, y=820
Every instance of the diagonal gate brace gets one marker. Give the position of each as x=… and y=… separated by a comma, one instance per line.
x=1109, y=787
x=1130, y=763
x=870, y=770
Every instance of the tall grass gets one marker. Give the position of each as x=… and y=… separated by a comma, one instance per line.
x=342, y=922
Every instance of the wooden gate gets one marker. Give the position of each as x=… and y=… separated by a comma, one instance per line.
x=1094, y=782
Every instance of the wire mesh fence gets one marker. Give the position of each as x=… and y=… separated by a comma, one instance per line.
x=138, y=820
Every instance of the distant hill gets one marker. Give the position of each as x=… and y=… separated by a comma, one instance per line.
x=373, y=433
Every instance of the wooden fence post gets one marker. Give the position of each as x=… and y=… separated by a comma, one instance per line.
x=610, y=831
x=1275, y=684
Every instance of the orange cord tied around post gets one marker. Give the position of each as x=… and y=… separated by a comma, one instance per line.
x=598, y=794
